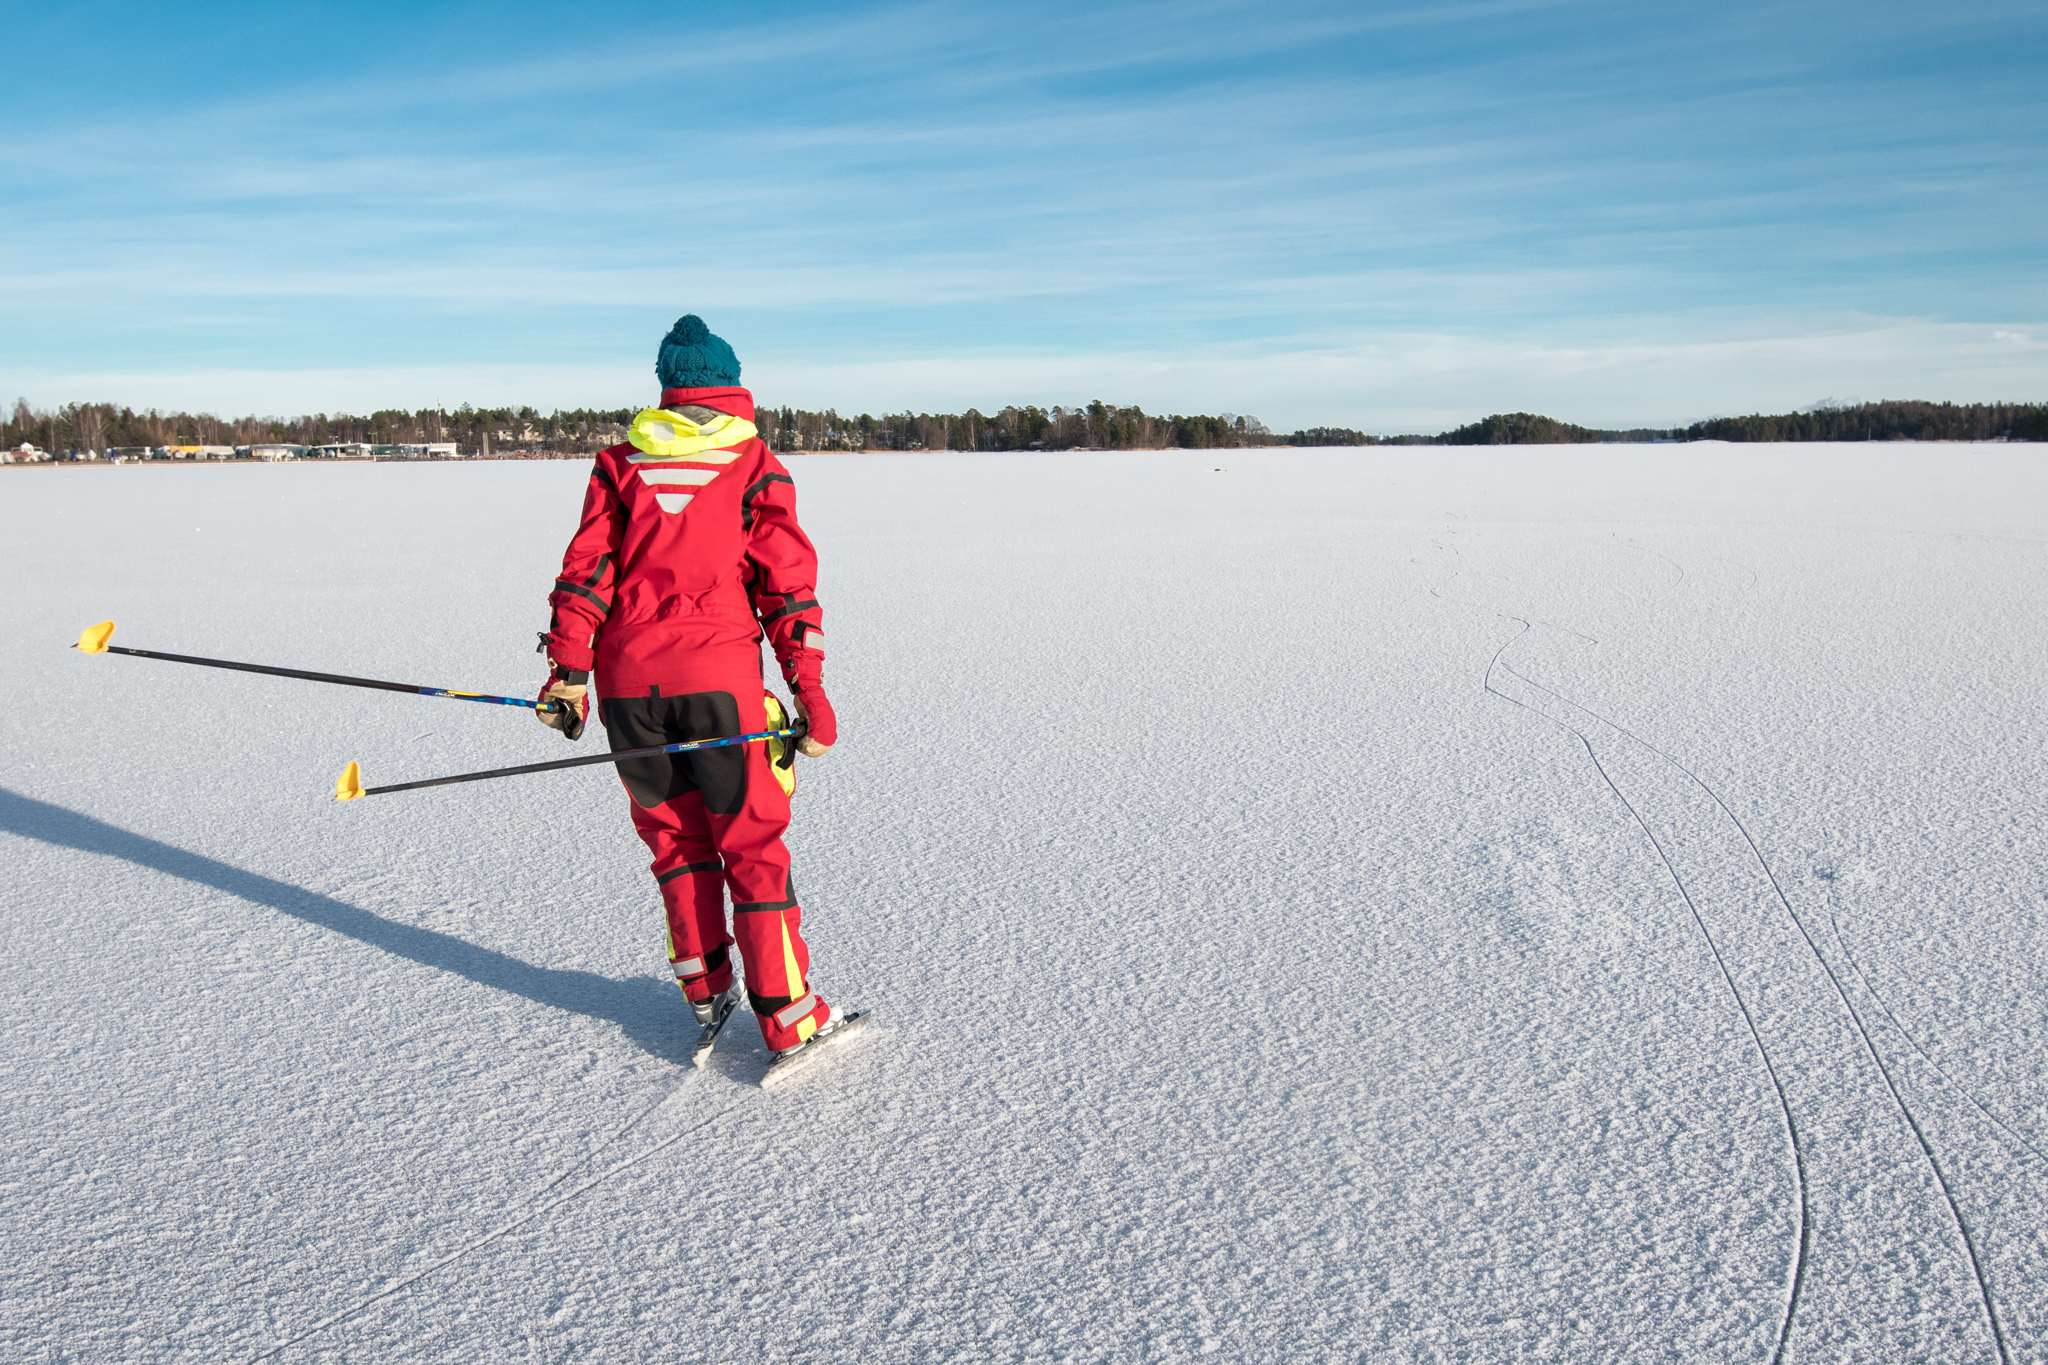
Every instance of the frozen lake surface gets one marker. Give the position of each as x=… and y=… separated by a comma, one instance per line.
x=1572, y=904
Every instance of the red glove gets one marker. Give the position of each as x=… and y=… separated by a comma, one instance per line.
x=823, y=731
x=804, y=671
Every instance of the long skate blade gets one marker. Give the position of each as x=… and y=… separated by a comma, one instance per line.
x=708, y=1035
x=781, y=1068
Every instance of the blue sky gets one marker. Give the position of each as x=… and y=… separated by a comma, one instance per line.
x=1384, y=216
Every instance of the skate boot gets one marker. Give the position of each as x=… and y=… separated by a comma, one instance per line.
x=715, y=1008
x=712, y=1015
x=837, y=1029
x=834, y=1021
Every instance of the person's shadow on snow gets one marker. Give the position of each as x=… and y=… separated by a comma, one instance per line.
x=646, y=1010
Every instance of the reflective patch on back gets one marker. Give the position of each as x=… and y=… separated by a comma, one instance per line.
x=695, y=456
x=673, y=478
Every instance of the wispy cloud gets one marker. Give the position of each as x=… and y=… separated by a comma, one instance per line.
x=1080, y=181
x=1388, y=382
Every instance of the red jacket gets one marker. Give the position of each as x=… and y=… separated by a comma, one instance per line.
x=684, y=561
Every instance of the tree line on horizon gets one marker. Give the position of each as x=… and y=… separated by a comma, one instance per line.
x=105, y=426
x=1892, y=420
x=1097, y=426
x=1888, y=421
x=77, y=427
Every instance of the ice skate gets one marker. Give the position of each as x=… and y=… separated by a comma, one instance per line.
x=712, y=1015
x=837, y=1030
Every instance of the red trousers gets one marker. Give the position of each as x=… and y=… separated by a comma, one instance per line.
x=714, y=820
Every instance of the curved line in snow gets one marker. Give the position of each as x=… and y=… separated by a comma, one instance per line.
x=1842, y=941
x=1869, y=1044
x=1805, y=1241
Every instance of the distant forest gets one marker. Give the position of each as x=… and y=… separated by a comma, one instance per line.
x=1889, y=421
x=523, y=430
x=516, y=431
x=1885, y=422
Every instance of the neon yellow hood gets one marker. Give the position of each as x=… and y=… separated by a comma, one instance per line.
x=666, y=435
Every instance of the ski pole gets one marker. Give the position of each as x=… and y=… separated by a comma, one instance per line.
x=94, y=641
x=349, y=785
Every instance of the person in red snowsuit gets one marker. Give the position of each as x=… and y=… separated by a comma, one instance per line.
x=688, y=555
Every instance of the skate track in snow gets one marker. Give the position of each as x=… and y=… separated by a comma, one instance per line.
x=2025, y=1247
x=1547, y=703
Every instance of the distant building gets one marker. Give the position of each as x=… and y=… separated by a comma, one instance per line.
x=344, y=450
x=200, y=452
x=276, y=452
x=434, y=450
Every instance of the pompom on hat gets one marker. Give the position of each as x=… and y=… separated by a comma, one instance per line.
x=692, y=358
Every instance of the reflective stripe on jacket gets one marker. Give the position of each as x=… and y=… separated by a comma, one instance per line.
x=688, y=553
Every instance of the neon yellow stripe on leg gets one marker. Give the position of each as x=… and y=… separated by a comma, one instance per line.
x=796, y=973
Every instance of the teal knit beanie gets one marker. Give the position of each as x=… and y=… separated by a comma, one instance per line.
x=692, y=358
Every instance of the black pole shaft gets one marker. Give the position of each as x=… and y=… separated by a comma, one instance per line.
x=319, y=677
x=274, y=672
x=795, y=732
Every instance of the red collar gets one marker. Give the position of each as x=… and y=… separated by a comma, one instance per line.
x=733, y=402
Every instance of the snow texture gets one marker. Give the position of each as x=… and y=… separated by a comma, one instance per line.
x=1570, y=904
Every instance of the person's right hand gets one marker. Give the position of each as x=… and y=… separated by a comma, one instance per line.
x=816, y=713
x=569, y=691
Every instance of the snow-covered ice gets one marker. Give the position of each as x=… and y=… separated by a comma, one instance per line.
x=1414, y=904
